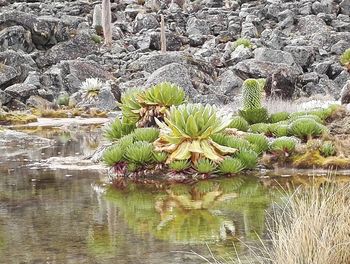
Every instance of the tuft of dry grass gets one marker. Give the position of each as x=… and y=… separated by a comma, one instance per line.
x=311, y=226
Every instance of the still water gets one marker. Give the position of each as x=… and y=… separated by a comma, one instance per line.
x=64, y=216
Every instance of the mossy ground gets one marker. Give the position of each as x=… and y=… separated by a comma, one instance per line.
x=69, y=112
x=16, y=118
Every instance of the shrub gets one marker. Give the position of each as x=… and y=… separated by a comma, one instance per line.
x=63, y=99
x=306, y=128
x=230, y=165
x=279, y=130
x=149, y=134
x=160, y=157
x=91, y=87
x=327, y=149
x=259, y=142
x=220, y=138
x=130, y=107
x=248, y=157
x=205, y=166
x=117, y=129
x=283, y=145
x=345, y=58
x=187, y=133
x=261, y=128
x=279, y=116
x=242, y=41
x=139, y=152
x=238, y=143
x=239, y=123
x=179, y=165
x=113, y=155
x=254, y=116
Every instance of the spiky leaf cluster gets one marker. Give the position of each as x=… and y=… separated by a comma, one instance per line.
x=278, y=129
x=187, y=133
x=160, y=157
x=130, y=106
x=252, y=94
x=242, y=41
x=307, y=115
x=149, y=134
x=220, y=138
x=117, y=129
x=253, y=116
x=140, y=152
x=248, y=157
x=260, y=128
x=305, y=128
x=163, y=94
x=179, y=165
x=205, y=166
x=345, y=58
x=259, y=142
x=283, y=145
x=230, y=166
x=278, y=117
x=113, y=155
x=327, y=149
x=238, y=143
x=91, y=87
x=239, y=123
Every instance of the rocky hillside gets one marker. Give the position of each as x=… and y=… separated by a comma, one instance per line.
x=49, y=47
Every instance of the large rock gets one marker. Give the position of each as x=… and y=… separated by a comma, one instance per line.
x=281, y=84
x=197, y=26
x=174, y=73
x=22, y=91
x=275, y=56
x=23, y=63
x=4, y=98
x=7, y=74
x=105, y=100
x=345, y=7
x=227, y=86
x=303, y=55
x=145, y=21
x=16, y=38
x=173, y=41
x=261, y=69
x=46, y=31
x=80, y=46
x=345, y=93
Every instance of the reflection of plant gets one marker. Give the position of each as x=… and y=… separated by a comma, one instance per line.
x=327, y=149
x=230, y=165
x=187, y=133
x=252, y=110
x=239, y=123
x=205, y=166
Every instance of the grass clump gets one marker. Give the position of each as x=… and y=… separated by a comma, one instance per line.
x=239, y=123
x=260, y=128
x=139, y=152
x=205, y=166
x=345, y=58
x=327, y=149
x=305, y=128
x=179, y=165
x=160, y=157
x=242, y=41
x=278, y=117
x=230, y=166
x=238, y=143
x=117, y=129
x=113, y=155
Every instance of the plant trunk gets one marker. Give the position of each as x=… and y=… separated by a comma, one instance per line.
x=107, y=22
x=162, y=35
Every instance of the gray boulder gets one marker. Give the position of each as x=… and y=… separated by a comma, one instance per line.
x=105, y=99
x=280, y=84
x=275, y=56
x=345, y=7
x=345, y=93
x=22, y=91
x=16, y=38
x=174, y=73
x=173, y=41
x=197, y=26
x=7, y=74
x=303, y=55
x=4, y=98
x=145, y=21
x=80, y=46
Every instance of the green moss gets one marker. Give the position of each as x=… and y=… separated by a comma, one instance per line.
x=242, y=41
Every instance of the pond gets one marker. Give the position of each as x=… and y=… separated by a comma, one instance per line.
x=64, y=215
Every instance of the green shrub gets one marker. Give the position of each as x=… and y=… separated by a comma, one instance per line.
x=242, y=41
x=345, y=58
x=305, y=128
x=278, y=117
x=327, y=149
x=205, y=166
x=112, y=155
x=63, y=99
x=259, y=142
x=149, y=134
x=230, y=165
x=220, y=138
x=126, y=141
x=278, y=130
x=132, y=167
x=248, y=157
x=160, y=157
x=239, y=123
x=253, y=116
x=117, y=129
x=179, y=165
x=139, y=152
x=238, y=143
x=283, y=145
x=260, y=128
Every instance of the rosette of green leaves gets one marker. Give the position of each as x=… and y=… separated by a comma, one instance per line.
x=239, y=123
x=117, y=129
x=187, y=130
x=205, y=166
x=139, y=152
x=230, y=165
x=327, y=149
x=258, y=142
x=305, y=128
x=130, y=106
x=283, y=145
